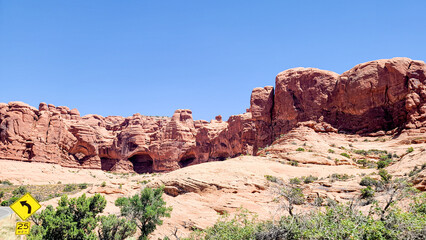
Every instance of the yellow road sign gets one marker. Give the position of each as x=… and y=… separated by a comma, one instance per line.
x=25, y=206
x=22, y=228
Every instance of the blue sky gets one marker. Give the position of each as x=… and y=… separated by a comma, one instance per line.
x=152, y=57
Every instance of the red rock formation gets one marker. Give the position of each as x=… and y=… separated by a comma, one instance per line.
x=261, y=106
x=379, y=95
x=384, y=95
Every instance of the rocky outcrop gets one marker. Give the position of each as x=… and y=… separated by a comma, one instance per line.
x=379, y=95
x=385, y=96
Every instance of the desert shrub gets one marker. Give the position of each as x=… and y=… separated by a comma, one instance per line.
x=1, y=194
x=144, y=181
x=242, y=226
x=83, y=185
x=114, y=228
x=145, y=209
x=16, y=194
x=385, y=176
x=103, y=184
x=69, y=188
x=360, y=152
x=339, y=177
x=309, y=179
x=383, y=163
x=416, y=170
x=9, y=201
x=331, y=151
x=343, y=222
x=368, y=181
x=367, y=192
x=300, y=149
x=271, y=178
x=345, y=155
x=294, y=163
x=73, y=218
x=318, y=201
x=295, y=180
x=21, y=190
x=376, y=152
x=338, y=221
x=410, y=150
x=6, y=182
x=419, y=204
x=362, y=162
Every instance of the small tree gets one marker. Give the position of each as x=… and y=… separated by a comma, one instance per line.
x=145, y=209
x=114, y=228
x=73, y=218
x=293, y=196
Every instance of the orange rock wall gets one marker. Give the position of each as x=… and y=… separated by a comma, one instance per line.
x=384, y=95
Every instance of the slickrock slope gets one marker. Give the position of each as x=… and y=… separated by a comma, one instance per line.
x=375, y=98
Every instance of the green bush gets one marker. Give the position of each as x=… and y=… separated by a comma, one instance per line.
x=386, y=177
x=360, y=152
x=6, y=182
x=419, y=204
x=73, y=218
x=17, y=193
x=362, y=162
x=294, y=163
x=367, y=192
x=103, y=184
x=368, y=181
x=242, y=226
x=336, y=222
x=410, y=150
x=345, y=155
x=9, y=201
x=300, y=149
x=145, y=209
x=416, y=170
x=331, y=151
x=376, y=152
x=383, y=164
x=69, y=188
x=309, y=179
x=114, y=228
x=271, y=178
x=21, y=190
x=295, y=180
x=83, y=185
x=340, y=177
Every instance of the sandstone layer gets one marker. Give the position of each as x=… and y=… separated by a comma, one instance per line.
x=375, y=98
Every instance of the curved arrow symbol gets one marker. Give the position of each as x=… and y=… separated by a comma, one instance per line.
x=24, y=203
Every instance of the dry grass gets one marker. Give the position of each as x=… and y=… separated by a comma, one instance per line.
x=7, y=228
x=41, y=192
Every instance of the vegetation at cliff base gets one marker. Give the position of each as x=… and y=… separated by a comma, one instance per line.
x=79, y=218
x=329, y=220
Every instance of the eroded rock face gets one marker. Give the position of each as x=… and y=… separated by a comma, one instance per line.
x=378, y=95
x=383, y=96
x=300, y=95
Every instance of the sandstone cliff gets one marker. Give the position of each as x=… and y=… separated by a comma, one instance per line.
x=382, y=97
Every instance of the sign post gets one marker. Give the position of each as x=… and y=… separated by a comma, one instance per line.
x=24, y=207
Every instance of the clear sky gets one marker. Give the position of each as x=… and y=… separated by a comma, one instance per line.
x=152, y=57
